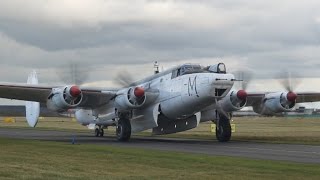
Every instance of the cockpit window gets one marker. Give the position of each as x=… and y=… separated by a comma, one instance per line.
x=186, y=69
x=189, y=69
x=174, y=74
x=218, y=68
x=222, y=68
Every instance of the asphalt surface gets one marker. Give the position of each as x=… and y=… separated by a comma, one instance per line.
x=283, y=152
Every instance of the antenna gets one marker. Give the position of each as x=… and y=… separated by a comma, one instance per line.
x=156, y=67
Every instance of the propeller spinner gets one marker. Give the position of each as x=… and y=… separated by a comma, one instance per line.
x=291, y=96
x=139, y=92
x=75, y=91
x=242, y=94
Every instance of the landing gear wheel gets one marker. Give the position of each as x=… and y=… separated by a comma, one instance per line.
x=97, y=132
x=223, y=128
x=101, y=132
x=123, y=130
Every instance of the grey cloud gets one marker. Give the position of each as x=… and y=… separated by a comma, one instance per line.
x=264, y=37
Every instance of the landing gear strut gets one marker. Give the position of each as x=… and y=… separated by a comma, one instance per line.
x=99, y=132
x=223, y=128
x=123, y=130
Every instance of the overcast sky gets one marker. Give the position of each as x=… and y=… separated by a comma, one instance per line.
x=265, y=37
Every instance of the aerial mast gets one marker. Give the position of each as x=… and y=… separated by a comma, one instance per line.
x=156, y=67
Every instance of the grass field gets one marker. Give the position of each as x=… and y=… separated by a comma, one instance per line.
x=30, y=159
x=259, y=129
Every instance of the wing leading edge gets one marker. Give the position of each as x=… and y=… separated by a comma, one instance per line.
x=92, y=97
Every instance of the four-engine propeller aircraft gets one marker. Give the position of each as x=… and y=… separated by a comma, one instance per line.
x=175, y=100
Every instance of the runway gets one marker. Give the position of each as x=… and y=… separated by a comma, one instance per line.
x=283, y=152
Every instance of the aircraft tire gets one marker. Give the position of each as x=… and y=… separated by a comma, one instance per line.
x=123, y=130
x=96, y=132
x=101, y=132
x=223, y=129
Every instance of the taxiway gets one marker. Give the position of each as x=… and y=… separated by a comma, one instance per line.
x=283, y=152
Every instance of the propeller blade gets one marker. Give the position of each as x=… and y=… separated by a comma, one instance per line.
x=73, y=73
x=124, y=79
x=288, y=80
x=245, y=76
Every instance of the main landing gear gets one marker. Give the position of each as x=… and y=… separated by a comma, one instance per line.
x=123, y=130
x=223, y=128
x=99, y=132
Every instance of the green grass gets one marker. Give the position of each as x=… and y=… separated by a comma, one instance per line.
x=47, y=123
x=295, y=130
x=266, y=129
x=30, y=159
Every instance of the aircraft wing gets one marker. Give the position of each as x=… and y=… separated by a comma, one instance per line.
x=308, y=97
x=302, y=97
x=254, y=98
x=92, y=97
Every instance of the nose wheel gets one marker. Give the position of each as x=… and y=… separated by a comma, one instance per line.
x=99, y=132
x=223, y=128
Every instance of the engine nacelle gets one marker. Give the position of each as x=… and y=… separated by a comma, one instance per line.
x=130, y=98
x=64, y=98
x=234, y=101
x=276, y=103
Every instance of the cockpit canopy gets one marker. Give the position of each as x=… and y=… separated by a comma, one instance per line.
x=190, y=68
x=196, y=68
x=218, y=68
x=187, y=69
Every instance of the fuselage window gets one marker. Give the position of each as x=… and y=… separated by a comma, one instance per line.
x=175, y=73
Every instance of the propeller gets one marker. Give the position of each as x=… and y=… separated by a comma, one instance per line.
x=73, y=73
x=244, y=77
x=75, y=91
x=124, y=79
x=136, y=95
x=288, y=80
x=72, y=95
x=289, y=83
x=76, y=75
x=238, y=97
x=139, y=92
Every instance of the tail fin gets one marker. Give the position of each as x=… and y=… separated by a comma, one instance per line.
x=32, y=108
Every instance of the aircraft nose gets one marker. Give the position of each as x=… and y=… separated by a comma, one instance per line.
x=223, y=79
x=221, y=83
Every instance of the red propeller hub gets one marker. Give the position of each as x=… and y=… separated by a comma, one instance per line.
x=75, y=91
x=291, y=96
x=242, y=94
x=139, y=92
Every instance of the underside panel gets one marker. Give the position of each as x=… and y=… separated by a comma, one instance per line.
x=168, y=126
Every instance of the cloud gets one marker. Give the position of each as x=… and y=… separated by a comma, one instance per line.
x=94, y=13
x=265, y=37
